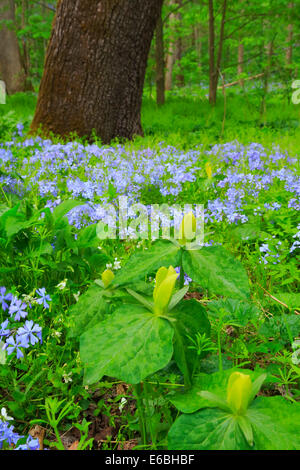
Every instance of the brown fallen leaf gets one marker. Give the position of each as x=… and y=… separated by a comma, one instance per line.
x=121, y=389
x=128, y=445
x=74, y=445
x=37, y=432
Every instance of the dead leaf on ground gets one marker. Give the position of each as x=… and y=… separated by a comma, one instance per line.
x=37, y=432
x=74, y=445
x=128, y=445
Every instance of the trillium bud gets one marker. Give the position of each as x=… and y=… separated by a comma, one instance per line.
x=208, y=170
x=165, y=282
x=187, y=229
x=107, y=277
x=238, y=392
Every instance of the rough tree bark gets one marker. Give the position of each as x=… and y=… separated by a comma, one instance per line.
x=11, y=70
x=95, y=68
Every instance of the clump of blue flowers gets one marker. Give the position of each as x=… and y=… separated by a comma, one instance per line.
x=16, y=337
x=10, y=440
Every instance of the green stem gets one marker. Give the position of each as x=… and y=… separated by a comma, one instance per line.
x=220, y=350
x=59, y=444
x=138, y=392
x=5, y=197
x=181, y=353
x=148, y=415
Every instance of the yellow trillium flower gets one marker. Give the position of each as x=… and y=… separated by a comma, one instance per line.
x=208, y=169
x=164, y=285
x=238, y=392
x=107, y=277
x=187, y=229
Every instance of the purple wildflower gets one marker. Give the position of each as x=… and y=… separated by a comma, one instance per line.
x=44, y=297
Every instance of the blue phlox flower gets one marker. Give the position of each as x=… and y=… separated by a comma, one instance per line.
x=17, y=308
x=44, y=298
x=26, y=332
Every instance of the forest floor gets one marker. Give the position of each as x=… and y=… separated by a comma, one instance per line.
x=243, y=167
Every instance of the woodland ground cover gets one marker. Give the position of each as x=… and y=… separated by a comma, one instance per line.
x=241, y=310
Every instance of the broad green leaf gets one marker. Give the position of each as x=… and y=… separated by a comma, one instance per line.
x=275, y=423
x=215, y=269
x=130, y=345
x=209, y=429
x=12, y=221
x=161, y=253
x=88, y=311
x=191, y=400
x=216, y=401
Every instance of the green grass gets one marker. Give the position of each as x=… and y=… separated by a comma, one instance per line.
x=186, y=122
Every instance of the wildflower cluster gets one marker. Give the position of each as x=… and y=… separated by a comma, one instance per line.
x=16, y=338
x=10, y=440
x=98, y=175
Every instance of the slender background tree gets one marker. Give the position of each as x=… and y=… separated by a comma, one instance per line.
x=11, y=70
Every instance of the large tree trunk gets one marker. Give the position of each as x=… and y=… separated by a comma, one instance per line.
x=95, y=68
x=11, y=70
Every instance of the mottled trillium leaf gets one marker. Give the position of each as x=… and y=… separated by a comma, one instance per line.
x=191, y=400
x=275, y=423
x=216, y=269
x=88, y=311
x=130, y=345
x=270, y=423
x=209, y=429
x=141, y=263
